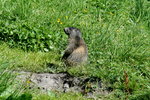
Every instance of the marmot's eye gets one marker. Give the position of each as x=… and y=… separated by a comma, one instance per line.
x=71, y=28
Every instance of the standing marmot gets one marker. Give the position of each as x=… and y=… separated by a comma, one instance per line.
x=76, y=51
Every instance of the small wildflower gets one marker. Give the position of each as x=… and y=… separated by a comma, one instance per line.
x=61, y=23
x=28, y=81
x=58, y=20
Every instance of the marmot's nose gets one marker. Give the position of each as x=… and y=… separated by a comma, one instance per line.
x=66, y=30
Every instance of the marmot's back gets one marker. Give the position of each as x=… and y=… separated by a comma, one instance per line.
x=76, y=52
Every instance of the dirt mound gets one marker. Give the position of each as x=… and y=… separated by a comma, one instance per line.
x=63, y=82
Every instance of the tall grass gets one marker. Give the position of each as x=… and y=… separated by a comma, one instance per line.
x=6, y=79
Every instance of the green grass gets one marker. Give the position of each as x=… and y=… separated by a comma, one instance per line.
x=28, y=61
x=117, y=34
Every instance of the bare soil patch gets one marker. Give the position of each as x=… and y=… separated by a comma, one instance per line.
x=64, y=82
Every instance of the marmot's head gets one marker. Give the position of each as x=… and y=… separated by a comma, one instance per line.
x=72, y=32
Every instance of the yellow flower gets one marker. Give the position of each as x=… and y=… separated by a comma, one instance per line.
x=28, y=81
x=58, y=20
x=61, y=23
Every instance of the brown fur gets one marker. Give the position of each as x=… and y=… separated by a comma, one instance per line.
x=76, y=51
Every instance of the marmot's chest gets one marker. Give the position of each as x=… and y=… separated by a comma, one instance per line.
x=79, y=55
x=80, y=50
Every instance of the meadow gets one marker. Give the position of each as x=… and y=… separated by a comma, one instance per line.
x=117, y=33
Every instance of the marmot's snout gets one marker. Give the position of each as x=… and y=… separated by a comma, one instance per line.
x=67, y=30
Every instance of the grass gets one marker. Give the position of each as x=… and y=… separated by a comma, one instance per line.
x=117, y=34
x=24, y=60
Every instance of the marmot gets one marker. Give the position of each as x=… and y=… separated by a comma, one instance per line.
x=76, y=51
